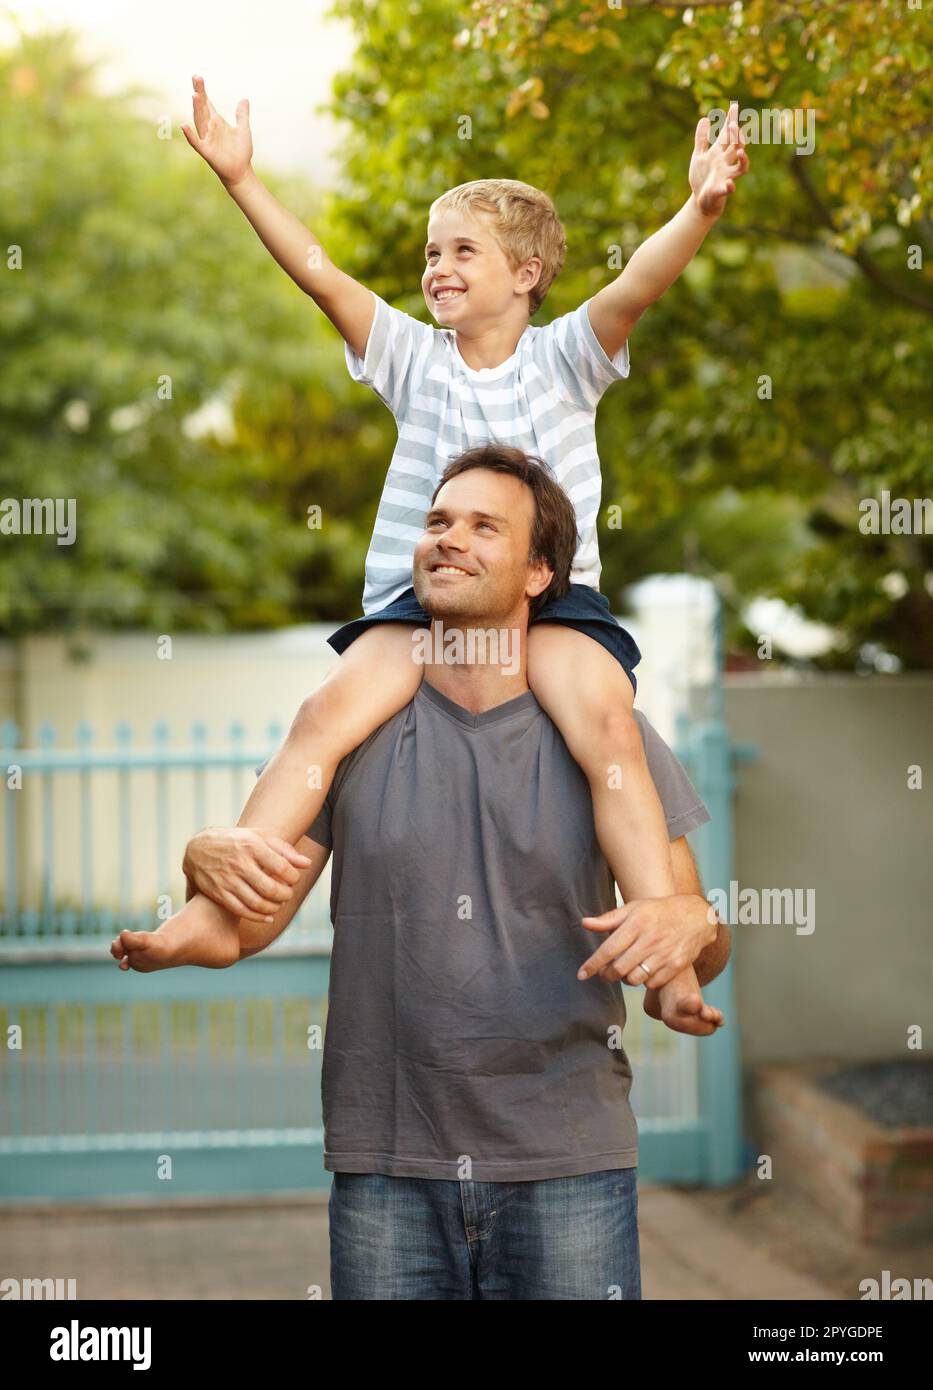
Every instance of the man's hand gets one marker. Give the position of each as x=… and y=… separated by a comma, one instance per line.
x=714, y=168
x=227, y=149
x=666, y=933
x=248, y=872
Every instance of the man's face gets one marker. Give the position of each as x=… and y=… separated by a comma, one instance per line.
x=461, y=254
x=472, y=563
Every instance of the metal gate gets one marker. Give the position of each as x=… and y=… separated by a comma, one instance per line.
x=114, y=1083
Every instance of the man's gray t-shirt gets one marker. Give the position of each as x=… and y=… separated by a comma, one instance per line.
x=464, y=857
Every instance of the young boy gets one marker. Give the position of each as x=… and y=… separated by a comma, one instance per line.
x=493, y=249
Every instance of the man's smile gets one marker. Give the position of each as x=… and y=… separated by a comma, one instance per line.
x=444, y=568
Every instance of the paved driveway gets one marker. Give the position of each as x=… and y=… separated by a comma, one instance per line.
x=278, y=1250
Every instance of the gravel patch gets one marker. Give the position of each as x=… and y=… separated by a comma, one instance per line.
x=897, y=1095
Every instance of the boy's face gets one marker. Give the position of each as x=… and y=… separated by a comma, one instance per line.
x=462, y=254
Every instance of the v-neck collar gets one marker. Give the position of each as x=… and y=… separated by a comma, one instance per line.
x=508, y=708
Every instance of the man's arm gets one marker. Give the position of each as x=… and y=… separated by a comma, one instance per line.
x=713, y=958
x=248, y=872
x=671, y=932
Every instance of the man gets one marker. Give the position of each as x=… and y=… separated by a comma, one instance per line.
x=476, y=1107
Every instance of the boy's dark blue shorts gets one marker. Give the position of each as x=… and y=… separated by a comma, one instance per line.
x=582, y=608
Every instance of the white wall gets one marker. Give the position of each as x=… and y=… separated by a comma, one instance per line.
x=826, y=806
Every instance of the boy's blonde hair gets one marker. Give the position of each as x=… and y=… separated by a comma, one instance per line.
x=525, y=224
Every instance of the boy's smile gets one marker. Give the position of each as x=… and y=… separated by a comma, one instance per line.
x=445, y=294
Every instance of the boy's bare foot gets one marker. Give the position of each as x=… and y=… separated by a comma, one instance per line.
x=142, y=950
x=201, y=933
x=680, y=1006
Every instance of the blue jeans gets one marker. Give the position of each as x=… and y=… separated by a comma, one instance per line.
x=431, y=1238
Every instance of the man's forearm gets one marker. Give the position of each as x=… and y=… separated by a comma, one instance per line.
x=284, y=235
x=660, y=259
x=714, y=958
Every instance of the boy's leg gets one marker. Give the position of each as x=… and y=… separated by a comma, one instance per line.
x=374, y=678
x=589, y=697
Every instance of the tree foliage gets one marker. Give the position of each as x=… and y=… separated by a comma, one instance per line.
x=804, y=282
x=137, y=269
x=144, y=308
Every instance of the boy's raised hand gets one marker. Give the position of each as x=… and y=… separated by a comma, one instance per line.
x=714, y=167
x=228, y=149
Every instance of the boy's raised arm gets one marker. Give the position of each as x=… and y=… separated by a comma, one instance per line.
x=229, y=152
x=660, y=259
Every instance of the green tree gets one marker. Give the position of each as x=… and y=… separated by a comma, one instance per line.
x=805, y=282
x=134, y=295
x=136, y=270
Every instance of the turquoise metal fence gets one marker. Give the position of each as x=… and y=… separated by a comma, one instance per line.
x=711, y=1149
x=197, y=1081
x=179, y=1082
x=47, y=824
x=114, y=1083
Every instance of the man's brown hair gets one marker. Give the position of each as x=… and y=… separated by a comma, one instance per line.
x=554, y=530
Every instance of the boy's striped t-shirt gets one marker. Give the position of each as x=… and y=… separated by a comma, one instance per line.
x=543, y=400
